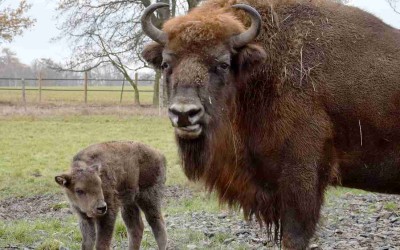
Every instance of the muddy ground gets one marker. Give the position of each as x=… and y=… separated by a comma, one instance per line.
x=349, y=221
x=8, y=109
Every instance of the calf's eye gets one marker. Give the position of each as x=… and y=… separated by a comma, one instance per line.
x=79, y=192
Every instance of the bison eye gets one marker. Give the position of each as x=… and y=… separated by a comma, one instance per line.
x=164, y=65
x=224, y=66
x=79, y=192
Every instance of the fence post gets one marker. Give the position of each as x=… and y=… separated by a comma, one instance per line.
x=40, y=87
x=86, y=85
x=122, y=91
x=160, y=92
x=137, y=88
x=156, y=89
x=23, y=93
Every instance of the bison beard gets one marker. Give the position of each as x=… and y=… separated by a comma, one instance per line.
x=313, y=101
x=193, y=156
x=214, y=159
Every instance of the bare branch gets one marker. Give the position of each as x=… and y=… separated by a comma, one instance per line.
x=13, y=22
x=393, y=4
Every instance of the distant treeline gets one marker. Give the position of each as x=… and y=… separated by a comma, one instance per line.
x=12, y=68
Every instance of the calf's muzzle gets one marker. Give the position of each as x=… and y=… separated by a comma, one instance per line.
x=101, y=208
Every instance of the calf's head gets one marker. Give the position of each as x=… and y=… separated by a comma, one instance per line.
x=83, y=187
x=203, y=56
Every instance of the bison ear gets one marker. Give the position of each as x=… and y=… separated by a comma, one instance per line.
x=152, y=53
x=249, y=57
x=63, y=180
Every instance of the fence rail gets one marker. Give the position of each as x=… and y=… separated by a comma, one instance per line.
x=72, y=79
x=10, y=86
x=77, y=90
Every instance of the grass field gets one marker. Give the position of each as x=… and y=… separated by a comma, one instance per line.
x=75, y=95
x=34, y=149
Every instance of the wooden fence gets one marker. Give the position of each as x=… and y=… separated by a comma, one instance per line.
x=85, y=85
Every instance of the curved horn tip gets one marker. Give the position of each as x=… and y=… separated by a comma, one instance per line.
x=160, y=5
x=151, y=8
x=255, y=28
x=148, y=27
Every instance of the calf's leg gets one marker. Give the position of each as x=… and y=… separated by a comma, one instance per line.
x=150, y=203
x=88, y=231
x=134, y=224
x=105, y=228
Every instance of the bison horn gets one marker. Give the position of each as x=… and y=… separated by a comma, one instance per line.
x=244, y=38
x=148, y=27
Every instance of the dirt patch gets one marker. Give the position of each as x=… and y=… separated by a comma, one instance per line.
x=55, y=205
x=11, y=110
x=39, y=206
x=348, y=221
x=367, y=221
x=176, y=193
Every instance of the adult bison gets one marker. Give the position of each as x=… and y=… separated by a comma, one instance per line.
x=268, y=116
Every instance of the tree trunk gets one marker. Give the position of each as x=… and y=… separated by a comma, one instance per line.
x=136, y=92
x=156, y=91
x=135, y=87
x=192, y=3
x=134, y=84
x=163, y=13
x=164, y=94
x=173, y=8
x=137, y=101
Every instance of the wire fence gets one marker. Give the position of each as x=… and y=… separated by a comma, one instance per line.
x=78, y=91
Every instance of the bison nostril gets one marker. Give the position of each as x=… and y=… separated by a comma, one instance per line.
x=193, y=112
x=183, y=115
x=174, y=111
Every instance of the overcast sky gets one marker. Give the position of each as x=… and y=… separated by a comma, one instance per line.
x=35, y=43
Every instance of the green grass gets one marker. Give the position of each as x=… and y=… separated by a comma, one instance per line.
x=392, y=207
x=51, y=232
x=77, y=97
x=206, y=202
x=34, y=150
x=339, y=191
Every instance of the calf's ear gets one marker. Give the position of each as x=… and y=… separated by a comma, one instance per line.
x=248, y=57
x=63, y=180
x=152, y=53
x=96, y=167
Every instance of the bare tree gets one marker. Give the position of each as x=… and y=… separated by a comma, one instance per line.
x=394, y=4
x=341, y=1
x=14, y=21
x=108, y=32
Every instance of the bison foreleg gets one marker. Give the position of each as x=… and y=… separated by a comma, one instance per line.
x=307, y=162
x=301, y=203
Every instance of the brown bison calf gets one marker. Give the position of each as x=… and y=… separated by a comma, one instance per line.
x=106, y=176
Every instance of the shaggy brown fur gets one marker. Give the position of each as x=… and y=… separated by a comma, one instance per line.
x=313, y=101
x=106, y=176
